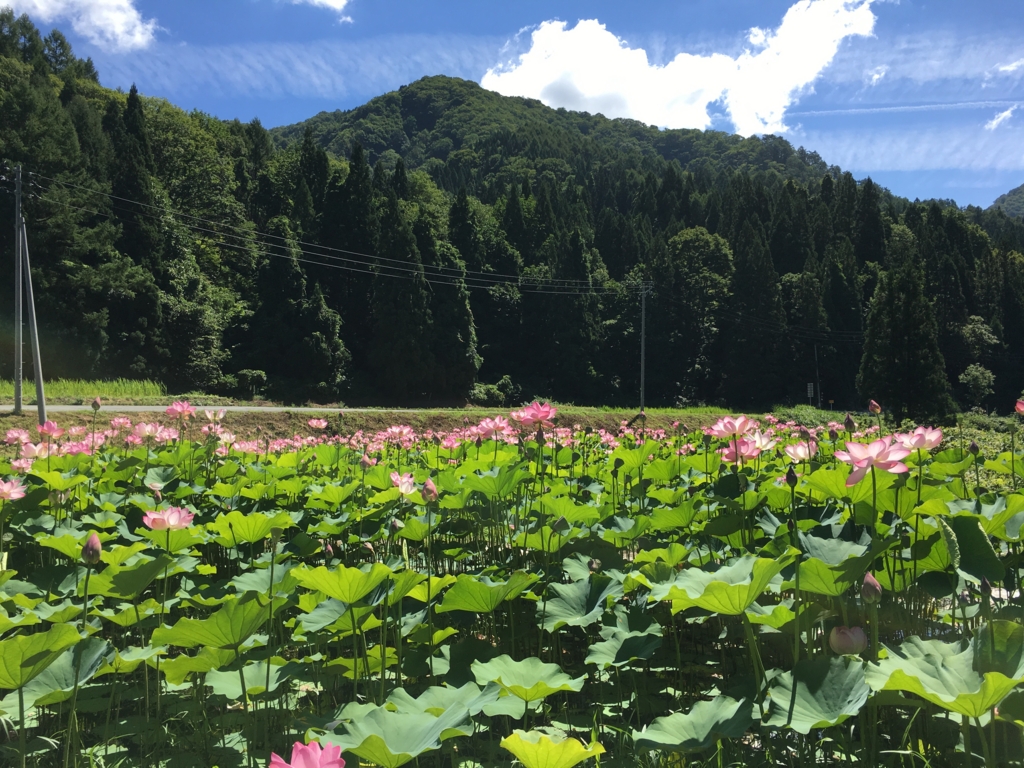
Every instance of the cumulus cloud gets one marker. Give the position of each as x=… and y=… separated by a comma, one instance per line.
x=999, y=119
x=874, y=77
x=114, y=24
x=589, y=68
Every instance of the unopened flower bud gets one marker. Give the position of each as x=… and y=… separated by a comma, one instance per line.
x=849, y=424
x=874, y=407
x=847, y=640
x=97, y=404
x=396, y=525
x=429, y=491
x=561, y=525
x=870, y=589
x=974, y=448
x=368, y=547
x=832, y=434
x=791, y=478
x=986, y=587
x=92, y=549
x=329, y=550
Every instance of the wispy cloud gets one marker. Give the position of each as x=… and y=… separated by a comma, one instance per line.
x=589, y=68
x=938, y=107
x=999, y=119
x=114, y=24
x=318, y=69
x=1012, y=67
x=338, y=6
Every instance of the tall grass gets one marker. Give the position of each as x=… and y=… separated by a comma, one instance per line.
x=79, y=389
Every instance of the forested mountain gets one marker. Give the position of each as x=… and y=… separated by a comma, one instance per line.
x=1012, y=203
x=443, y=242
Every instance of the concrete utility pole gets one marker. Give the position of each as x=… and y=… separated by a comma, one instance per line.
x=23, y=284
x=18, y=291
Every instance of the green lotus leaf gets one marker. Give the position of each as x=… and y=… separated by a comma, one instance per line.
x=177, y=540
x=126, y=661
x=68, y=544
x=999, y=647
x=538, y=750
x=126, y=582
x=730, y=590
x=392, y=739
x=373, y=662
x=56, y=683
x=228, y=628
x=259, y=581
x=25, y=619
x=237, y=528
x=579, y=604
x=349, y=585
x=619, y=648
x=704, y=725
x=1011, y=709
x=437, y=699
x=178, y=669
x=941, y=673
x=24, y=657
x=818, y=693
x=672, y=519
x=226, y=683
x=575, y=514
x=481, y=595
x=497, y=483
x=419, y=590
x=529, y=680
x=977, y=557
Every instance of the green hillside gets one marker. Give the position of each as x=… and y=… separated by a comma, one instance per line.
x=443, y=243
x=1012, y=203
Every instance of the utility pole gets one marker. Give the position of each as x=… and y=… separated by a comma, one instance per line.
x=643, y=346
x=37, y=361
x=18, y=291
x=817, y=375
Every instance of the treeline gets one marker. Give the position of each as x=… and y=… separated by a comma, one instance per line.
x=444, y=243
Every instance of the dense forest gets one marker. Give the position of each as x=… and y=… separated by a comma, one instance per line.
x=443, y=243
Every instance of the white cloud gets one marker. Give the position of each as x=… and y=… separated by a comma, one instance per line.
x=589, y=68
x=338, y=6
x=114, y=24
x=874, y=76
x=1012, y=67
x=999, y=119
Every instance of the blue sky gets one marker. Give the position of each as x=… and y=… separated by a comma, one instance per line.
x=926, y=97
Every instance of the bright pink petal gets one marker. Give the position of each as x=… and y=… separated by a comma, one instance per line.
x=276, y=761
x=856, y=476
x=897, y=467
x=857, y=451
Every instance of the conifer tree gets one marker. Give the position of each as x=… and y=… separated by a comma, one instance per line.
x=902, y=366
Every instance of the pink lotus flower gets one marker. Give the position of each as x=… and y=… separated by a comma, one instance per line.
x=147, y=430
x=17, y=436
x=802, y=451
x=741, y=449
x=170, y=519
x=730, y=427
x=92, y=549
x=35, y=451
x=121, y=422
x=762, y=442
x=922, y=438
x=429, y=491
x=50, y=429
x=846, y=641
x=180, y=409
x=874, y=407
x=367, y=461
x=215, y=415
x=881, y=454
x=490, y=428
x=21, y=465
x=11, y=490
x=404, y=482
x=1020, y=407
x=77, y=431
x=536, y=414
x=317, y=423
x=309, y=756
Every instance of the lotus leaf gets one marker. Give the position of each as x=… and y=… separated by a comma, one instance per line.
x=24, y=657
x=236, y=528
x=226, y=683
x=392, y=739
x=818, y=693
x=529, y=680
x=481, y=595
x=579, y=604
x=941, y=673
x=436, y=700
x=55, y=683
x=538, y=750
x=729, y=590
x=705, y=724
x=228, y=628
x=349, y=585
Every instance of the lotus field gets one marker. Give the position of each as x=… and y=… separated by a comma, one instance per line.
x=519, y=591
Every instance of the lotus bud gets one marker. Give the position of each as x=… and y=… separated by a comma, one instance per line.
x=561, y=525
x=1019, y=408
x=986, y=587
x=832, y=434
x=849, y=424
x=396, y=525
x=588, y=431
x=870, y=590
x=429, y=491
x=594, y=565
x=707, y=441
x=366, y=462
x=791, y=478
x=97, y=404
x=804, y=434
x=436, y=440
x=846, y=641
x=92, y=550
x=874, y=407
x=329, y=550
x=368, y=547
x=540, y=436
x=973, y=448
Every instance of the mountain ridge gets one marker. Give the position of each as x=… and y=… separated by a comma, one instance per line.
x=1010, y=203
